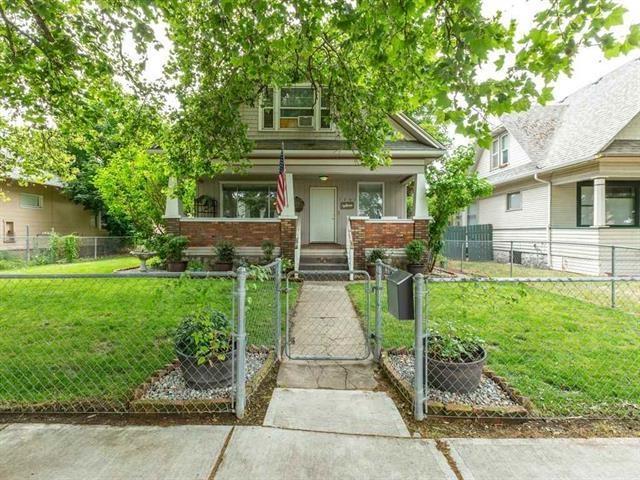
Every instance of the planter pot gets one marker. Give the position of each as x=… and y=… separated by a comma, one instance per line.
x=455, y=377
x=223, y=266
x=371, y=270
x=415, y=268
x=213, y=374
x=180, y=266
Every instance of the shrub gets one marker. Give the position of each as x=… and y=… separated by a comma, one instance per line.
x=451, y=344
x=267, y=250
x=376, y=254
x=205, y=334
x=65, y=248
x=169, y=247
x=415, y=251
x=225, y=251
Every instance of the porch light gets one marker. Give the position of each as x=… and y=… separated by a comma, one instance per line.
x=323, y=178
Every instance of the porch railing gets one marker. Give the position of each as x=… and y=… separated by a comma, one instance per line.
x=349, y=246
x=298, y=248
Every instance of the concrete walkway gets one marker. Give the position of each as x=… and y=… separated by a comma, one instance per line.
x=338, y=411
x=325, y=324
x=80, y=452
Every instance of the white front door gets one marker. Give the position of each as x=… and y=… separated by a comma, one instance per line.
x=322, y=214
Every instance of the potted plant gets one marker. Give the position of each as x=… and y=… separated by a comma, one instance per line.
x=204, y=346
x=415, y=251
x=267, y=250
x=374, y=255
x=225, y=253
x=455, y=359
x=170, y=249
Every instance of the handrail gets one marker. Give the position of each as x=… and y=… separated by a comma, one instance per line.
x=298, y=247
x=349, y=246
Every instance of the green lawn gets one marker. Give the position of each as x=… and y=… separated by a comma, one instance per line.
x=502, y=270
x=571, y=357
x=97, y=339
x=106, y=265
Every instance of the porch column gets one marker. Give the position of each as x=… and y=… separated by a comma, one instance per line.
x=420, y=209
x=599, y=199
x=173, y=208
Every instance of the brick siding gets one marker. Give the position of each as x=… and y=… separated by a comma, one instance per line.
x=241, y=234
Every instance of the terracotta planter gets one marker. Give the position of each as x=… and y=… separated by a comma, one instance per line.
x=223, y=266
x=212, y=374
x=415, y=268
x=455, y=377
x=371, y=270
x=180, y=266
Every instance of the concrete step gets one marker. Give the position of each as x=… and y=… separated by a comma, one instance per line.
x=323, y=267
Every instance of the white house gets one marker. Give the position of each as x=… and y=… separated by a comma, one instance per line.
x=566, y=177
x=337, y=210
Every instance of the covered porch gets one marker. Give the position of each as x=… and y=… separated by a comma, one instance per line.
x=337, y=215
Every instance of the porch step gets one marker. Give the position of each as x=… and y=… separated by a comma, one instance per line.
x=323, y=266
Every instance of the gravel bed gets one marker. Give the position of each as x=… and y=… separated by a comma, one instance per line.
x=173, y=387
x=488, y=393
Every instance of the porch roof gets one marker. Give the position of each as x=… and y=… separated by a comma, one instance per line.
x=337, y=145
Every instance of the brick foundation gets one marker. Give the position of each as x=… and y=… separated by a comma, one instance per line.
x=368, y=234
x=208, y=233
x=287, y=238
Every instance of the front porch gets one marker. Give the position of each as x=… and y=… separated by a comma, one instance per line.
x=346, y=215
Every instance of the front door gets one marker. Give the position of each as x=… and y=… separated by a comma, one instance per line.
x=322, y=214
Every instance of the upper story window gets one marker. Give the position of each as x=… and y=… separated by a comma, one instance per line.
x=500, y=151
x=296, y=107
x=30, y=200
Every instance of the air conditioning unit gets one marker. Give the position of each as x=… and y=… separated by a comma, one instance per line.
x=306, y=122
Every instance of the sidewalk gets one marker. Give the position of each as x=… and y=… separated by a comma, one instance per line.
x=70, y=452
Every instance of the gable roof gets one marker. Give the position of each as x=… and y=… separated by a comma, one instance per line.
x=578, y=128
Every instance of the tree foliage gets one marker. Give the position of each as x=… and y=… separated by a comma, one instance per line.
x=371, y=59
x=452, y=188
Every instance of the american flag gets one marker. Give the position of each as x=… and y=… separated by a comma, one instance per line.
x=281, y=193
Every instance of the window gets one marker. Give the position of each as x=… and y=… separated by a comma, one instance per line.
x=296, y=107
x=504, y=149
x=621, y=204
x=585, y=205
x=495, y=154
x=29, y=200
x=9, y=233
x=267, y=109
x=500, y=151
x=514, y=201
x=371, y=199
x=248, y=200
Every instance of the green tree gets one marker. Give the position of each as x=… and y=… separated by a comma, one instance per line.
x=452, y=188
x=370, y=58
x=56, y=55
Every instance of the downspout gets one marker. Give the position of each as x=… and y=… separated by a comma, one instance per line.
x=548, y=228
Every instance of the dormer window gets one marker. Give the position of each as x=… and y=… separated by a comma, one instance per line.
x=500, y=151
x=294, y=108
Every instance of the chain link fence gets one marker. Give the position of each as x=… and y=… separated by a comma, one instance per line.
x=41, y=249
x=524, y=258
x=518, y=347
x=136, y=342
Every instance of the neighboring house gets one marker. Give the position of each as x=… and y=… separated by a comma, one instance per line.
x=41, y=208
x=568, y=173
x=337, y=209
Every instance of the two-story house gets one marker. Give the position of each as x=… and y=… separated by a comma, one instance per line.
x=566, y=178
x=337, y=209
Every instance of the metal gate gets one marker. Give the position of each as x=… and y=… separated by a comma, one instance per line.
x=328, y=315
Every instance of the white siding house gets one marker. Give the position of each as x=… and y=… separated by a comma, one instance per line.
x=566, y=178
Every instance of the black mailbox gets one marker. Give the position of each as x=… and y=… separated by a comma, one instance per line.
x=400, y=295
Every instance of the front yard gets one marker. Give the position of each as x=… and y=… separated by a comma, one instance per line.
x=94, y=340
x=569, y=356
